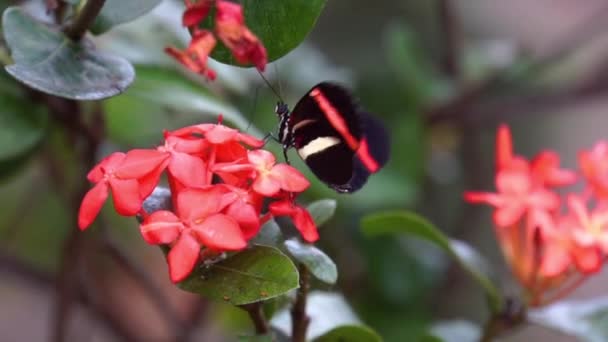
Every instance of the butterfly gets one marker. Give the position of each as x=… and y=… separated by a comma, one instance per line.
x=340, y=142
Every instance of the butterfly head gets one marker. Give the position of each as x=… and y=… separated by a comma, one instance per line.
x=281, y=109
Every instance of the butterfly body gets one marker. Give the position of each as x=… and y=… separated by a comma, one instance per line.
x=339, y=142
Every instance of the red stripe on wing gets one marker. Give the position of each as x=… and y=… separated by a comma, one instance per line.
x=366, y=157
x=335, y=118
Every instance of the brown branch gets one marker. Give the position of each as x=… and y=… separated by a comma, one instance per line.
x=299, y=318
x=451, y=36
x=473, y=96
x=97, y=306
x=256, y=313
x=154, y=292
x=77, y=29
x=15, y=266
x=198, y=313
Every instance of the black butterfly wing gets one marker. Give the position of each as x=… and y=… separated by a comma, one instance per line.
x=376, y=138
x=328, y=129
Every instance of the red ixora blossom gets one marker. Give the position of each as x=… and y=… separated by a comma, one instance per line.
x=219, y=180
x=546, y=237
x=229, y=27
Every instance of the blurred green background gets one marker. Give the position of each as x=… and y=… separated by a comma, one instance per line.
x=441, y=80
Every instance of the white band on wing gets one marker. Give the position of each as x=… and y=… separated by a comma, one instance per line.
x=317, y=145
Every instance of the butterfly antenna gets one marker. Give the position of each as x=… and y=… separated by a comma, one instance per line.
x=276, y=72
x=255, y=104
x=270, y=86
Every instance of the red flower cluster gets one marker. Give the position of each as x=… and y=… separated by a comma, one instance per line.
x=551, y=241
x=230, y=28
x=218, y=187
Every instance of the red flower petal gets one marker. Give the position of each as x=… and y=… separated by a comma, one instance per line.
x=151, y=180
x=92, y=204
x=195, y=56
x=300, y=216
x=230, y=28
x=188, y=170
x=555, y=259
x=161, y=227
x=246, y=216
x=197, y=204
x=108, y=163
x=183, y=257
x=125, y=193
x=266, y=185
x=251, y=140
x=195, y=13
x=220, y=232
x=140, y=162
x=291, y=179
x=262, y=159
x=504, y=147
x=306, y=225
x=229, y=152
x=587, y=260
x=220, y=134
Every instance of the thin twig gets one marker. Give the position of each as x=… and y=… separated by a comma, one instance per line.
x=77, y=29
x=299, y=318
x=451, y=36
x=256, y=313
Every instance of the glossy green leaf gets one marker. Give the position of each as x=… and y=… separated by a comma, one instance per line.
x=315, y=260
x=411, y=224
x=322, y=210
x=281, y=25
x=48, y=61
x=350, y=333
x=585, y=319
x=256, y=274
x=270, y=234
x=116, y=12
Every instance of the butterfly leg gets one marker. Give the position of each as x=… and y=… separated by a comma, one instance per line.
x=270, y=136
x=285, y=148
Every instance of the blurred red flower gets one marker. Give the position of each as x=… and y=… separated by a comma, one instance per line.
x=229, y=27
x=547, y=238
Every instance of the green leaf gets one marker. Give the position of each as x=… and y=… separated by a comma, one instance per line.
x=256, y=338
x=249, y=276
x=157, y=92
x=585, y=319
x=412, y=224
x=350, y=333
x=22, y=127
x=322, y=210
x=270, y=234
x=315, y=260
x=48, y=61
x=116, y=12
x=281, y=25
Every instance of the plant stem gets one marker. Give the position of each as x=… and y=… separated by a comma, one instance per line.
x=256, y=313
x=299, y=319
x=76, y=30
x=512, y=315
